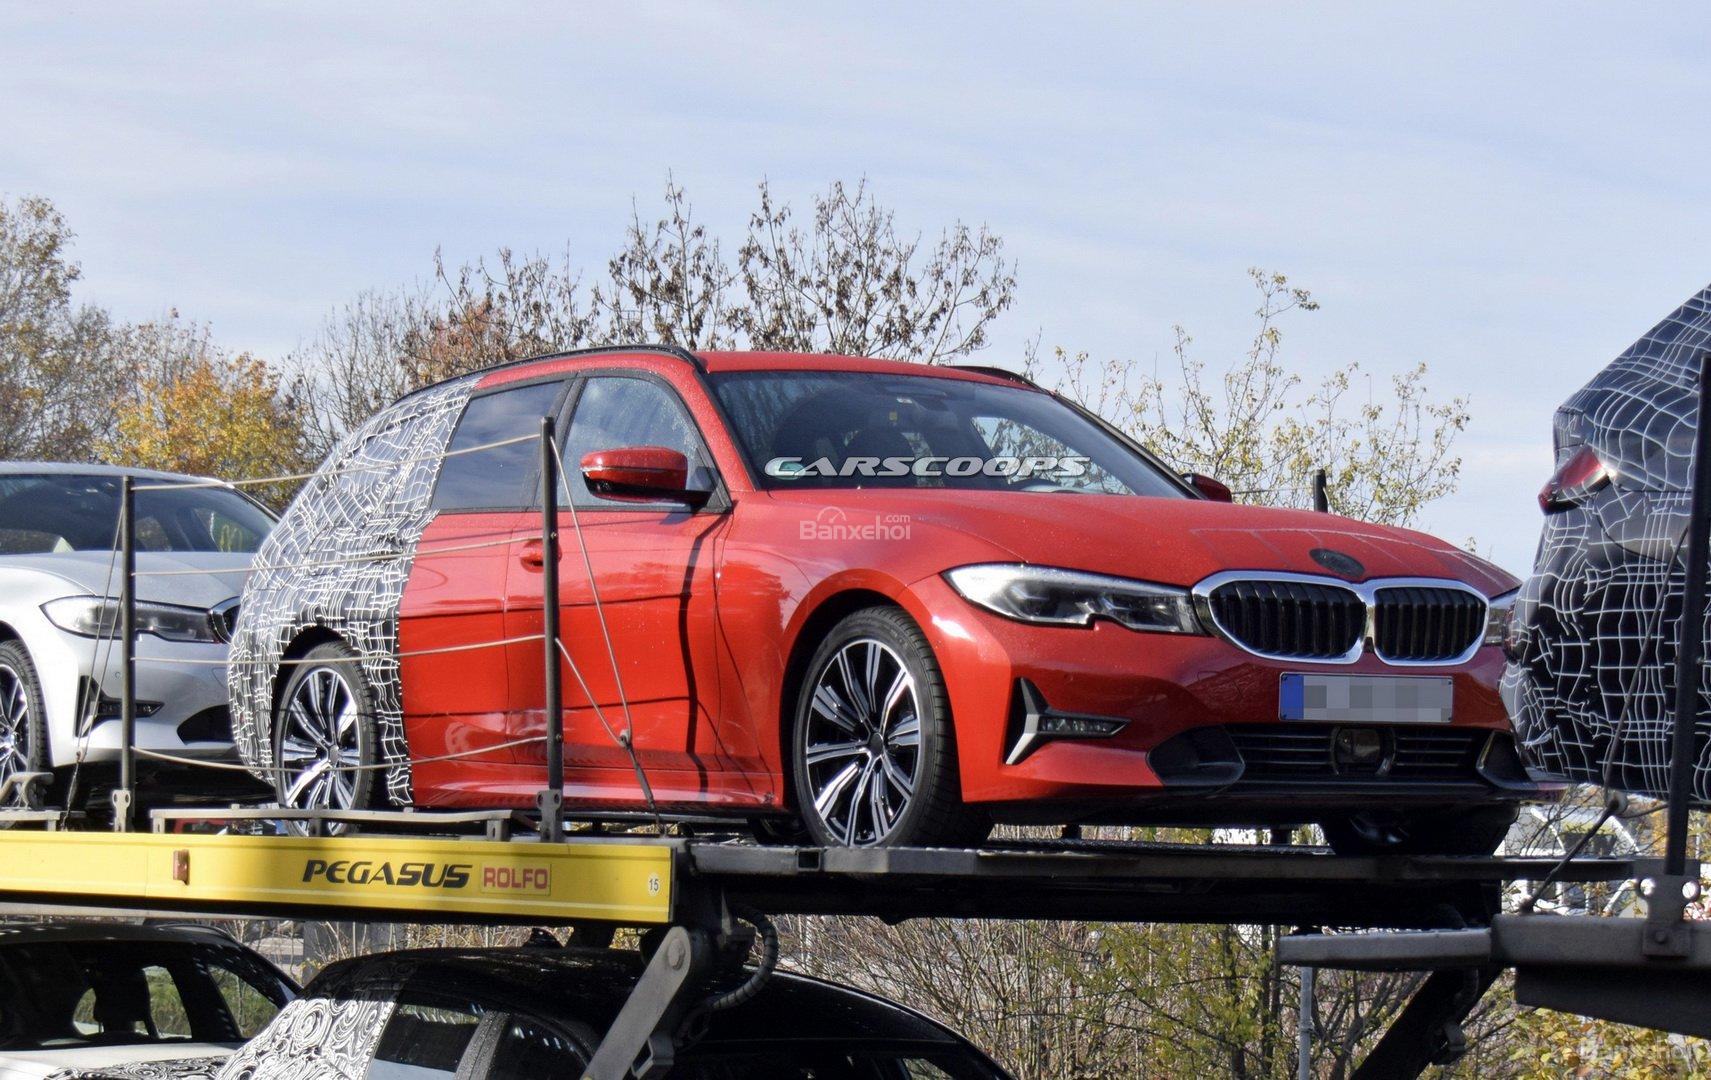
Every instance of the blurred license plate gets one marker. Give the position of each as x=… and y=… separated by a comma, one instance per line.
x=1371, y=699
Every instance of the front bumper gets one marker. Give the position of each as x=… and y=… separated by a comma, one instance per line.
x=1197, y=711
x=180, y=690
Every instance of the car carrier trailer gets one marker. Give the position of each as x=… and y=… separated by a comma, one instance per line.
x=688, y=892
x=693, y=894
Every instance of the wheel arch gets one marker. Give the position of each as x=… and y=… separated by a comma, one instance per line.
x=9, y=635
x=299, y=646
x=827, y=610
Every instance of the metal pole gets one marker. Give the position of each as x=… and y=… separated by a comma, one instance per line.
x=1321, y=495
x=124, y=799
x=551, y=801
x=1304, y=1025
x=1690, y=649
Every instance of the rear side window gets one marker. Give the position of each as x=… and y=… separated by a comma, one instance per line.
x=499, y=477
x=250, y=1009
x=424, y=1038
x=527, y=1051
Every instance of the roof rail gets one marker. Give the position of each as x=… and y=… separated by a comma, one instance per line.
x=996, y=372
x=676, y=352
x=186, y=926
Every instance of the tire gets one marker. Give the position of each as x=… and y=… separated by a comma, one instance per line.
x=872, y=766
x=23, y=719
x=1462, y=832
x=325, y=723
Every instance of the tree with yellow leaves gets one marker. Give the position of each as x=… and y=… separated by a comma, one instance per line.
x=196, y=410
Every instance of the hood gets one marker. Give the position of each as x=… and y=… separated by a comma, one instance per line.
x=95, y=572
x=1174, y=541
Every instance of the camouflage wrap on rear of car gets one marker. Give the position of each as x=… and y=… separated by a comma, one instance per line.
x=1591, y=680
x=338, y=562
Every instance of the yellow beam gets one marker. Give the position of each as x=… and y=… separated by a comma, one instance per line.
x=617, y=881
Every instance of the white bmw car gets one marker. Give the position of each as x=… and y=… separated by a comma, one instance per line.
x=59, y=583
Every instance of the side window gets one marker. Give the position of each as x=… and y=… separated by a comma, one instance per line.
x=424, y=1038
x=497, y=477
x=527, y=1051
x=614, y=412
x=167, y=1016
x=251, y=1009
x=132, y=1004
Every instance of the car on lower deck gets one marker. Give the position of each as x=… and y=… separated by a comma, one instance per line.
x=114, y=999
x=859, y=602
x=541, y=1011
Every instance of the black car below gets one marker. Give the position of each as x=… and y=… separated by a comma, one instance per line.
x=535, y=1012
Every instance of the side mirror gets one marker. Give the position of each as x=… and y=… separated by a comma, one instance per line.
x=1209, y=488
x=638, y=474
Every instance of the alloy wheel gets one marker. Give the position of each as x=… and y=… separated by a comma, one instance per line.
x=319, y=751
x=14, y=723
x=863, y=742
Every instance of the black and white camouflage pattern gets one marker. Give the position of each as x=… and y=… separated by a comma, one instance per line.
x=198, y=1068
x=331, y=1031
x=339, y=559
x=1591, y=686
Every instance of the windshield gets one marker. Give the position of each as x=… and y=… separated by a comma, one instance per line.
x=69, y=994
x=841, y=429
x=57, y=512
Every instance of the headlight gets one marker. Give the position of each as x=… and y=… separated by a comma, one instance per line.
x=93, y=616
x=1501, y=618
x=1044, y=594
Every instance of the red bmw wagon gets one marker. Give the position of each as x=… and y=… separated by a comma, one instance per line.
x=867, y=601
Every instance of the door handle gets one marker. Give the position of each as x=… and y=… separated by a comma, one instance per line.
x=533, y=555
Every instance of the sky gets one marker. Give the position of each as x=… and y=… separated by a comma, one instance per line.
x=1508, y=193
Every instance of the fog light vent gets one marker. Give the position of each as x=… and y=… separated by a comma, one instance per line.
x=1032, y=722
x=1087, y=727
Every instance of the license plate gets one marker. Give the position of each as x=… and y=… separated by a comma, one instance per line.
x=1367, y=699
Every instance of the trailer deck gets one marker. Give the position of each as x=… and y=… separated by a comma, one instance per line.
x=656, y=880
x=496, y=868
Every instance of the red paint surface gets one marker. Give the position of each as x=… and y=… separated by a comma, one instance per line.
x=706, y=608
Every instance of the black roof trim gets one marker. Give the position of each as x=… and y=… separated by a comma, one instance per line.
x=114, y=930
x=996, y=372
